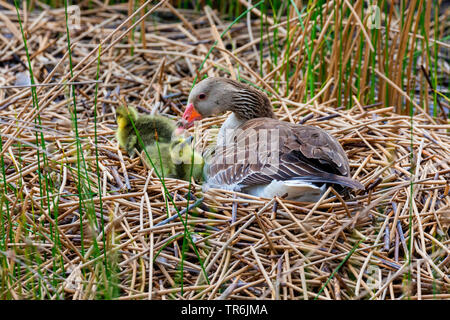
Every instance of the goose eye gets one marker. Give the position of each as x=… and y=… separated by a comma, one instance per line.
x=202, y=96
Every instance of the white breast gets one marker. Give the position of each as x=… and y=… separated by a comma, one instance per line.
x=295, y=190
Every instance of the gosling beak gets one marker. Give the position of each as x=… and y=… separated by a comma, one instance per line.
x=190, y=115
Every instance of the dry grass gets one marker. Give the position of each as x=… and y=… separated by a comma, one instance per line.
x=389, y=242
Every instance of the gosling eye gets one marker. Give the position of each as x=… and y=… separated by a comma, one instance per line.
x=202, y=96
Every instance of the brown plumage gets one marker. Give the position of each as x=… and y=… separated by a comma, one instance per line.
x=254, y=149
x=304, y=152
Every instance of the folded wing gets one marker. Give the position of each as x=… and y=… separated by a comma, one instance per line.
x=265, y=149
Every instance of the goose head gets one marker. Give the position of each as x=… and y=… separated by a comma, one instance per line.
x=214, y=96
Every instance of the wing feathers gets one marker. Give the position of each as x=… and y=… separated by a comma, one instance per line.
x=266, y=149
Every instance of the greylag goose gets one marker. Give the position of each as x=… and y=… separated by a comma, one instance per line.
x=260, y=155
x=167, y=150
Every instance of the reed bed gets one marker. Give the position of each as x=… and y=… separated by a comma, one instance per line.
x=81, y=220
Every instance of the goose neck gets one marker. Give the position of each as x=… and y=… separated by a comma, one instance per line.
x=228, y=127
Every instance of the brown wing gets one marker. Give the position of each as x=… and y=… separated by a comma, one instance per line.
x=266, y=149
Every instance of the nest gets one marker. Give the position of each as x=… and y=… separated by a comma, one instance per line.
x=81, y=220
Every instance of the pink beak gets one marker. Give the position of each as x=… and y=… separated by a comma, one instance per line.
x=190, y=115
